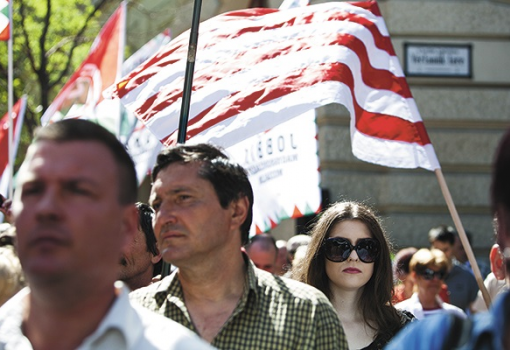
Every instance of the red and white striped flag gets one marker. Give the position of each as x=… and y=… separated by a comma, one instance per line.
x=257, y=68
x=5, y=20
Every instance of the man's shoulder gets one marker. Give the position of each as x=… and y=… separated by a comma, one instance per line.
x=157, y=328
x=288, y=287
x=429, y=333
x=146, y=296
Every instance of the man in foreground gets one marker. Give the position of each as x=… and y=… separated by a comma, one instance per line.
x=74, y=214
x=203, y=204
x=488, y=330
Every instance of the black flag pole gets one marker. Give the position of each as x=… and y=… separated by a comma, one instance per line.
x=188, y=75
x=186, y=93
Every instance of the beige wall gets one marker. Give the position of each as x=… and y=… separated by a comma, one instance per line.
x=464, y=117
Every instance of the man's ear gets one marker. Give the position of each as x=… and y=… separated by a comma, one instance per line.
x=129, y=225
x=156, y=258
x=239, y=212
x=497, y=263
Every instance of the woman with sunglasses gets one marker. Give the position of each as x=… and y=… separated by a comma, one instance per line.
x=428, y=269
x=349, y=260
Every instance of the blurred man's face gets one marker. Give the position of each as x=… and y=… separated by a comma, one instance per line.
x=262, y=258
x=445, y=247
x=69, y=221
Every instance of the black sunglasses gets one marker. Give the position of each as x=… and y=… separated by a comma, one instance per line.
x=429, y=274
x=339, y=249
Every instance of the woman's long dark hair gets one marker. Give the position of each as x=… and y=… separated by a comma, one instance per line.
x=375, y=301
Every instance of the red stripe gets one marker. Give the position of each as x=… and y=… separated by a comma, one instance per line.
x=382, y=126
x=217, y=30
x=375, y=78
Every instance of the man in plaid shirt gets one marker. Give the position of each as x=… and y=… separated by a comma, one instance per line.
x=203, y=204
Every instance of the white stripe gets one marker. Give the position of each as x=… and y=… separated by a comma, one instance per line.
x=222, y=51
x=396, y=154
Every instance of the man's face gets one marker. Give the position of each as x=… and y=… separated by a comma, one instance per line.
x=137, y=260
x=190, y=224
x=264, y=259
x=68, y=218
x=445, y=247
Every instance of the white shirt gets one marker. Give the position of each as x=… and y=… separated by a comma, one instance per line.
x=494, y=287
x=414, y=306
x=125, y=326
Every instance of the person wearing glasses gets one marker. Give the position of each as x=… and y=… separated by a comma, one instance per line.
x=349, y=260
x=428, y=269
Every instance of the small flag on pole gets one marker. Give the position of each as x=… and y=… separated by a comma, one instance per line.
x=5, y=20
x=18, y=113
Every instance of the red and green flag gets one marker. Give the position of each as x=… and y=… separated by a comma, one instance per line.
x=4, y=20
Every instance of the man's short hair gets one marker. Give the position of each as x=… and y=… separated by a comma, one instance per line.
x=442, y=233
x=69, y=130
x=500, y=187
x=145, y=217
x=229, y=179
x=266, y=240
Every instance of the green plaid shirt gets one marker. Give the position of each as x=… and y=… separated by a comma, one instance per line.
x=273, y=313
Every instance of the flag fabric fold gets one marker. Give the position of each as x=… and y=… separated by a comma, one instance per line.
x=81, y=96
x=18, y=114
x=5, y=20
x=257, y=68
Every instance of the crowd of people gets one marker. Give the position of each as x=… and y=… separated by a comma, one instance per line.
x=81, y=261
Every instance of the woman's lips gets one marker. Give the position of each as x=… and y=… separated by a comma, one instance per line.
x=352, y=270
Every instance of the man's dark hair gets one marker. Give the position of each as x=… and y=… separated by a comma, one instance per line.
x=500, y=188
x=145, y=217
x=69, y=130
x=229, y=179
x=442, y=233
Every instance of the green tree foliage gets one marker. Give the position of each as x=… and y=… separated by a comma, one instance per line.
x=50, y=40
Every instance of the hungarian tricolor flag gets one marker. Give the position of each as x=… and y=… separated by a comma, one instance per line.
x=5, y=21
x=257, y=68
x=81, y=95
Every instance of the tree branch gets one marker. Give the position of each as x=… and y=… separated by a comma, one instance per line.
x=76, y=41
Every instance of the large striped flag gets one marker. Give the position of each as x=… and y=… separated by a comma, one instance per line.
x=5, y=20
x=257, y=68
x=81, y=96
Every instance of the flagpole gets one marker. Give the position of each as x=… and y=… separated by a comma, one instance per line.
x=463, y=236
x=188, y=85
x=10, y=103
x=188, y=75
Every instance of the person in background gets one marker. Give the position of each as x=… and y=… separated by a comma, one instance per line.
x=282, y=260
x=428, y=268
x=74, y=214
x=496, y=282
x=292, y=246
x=404, y=287
x=12, y=279
x=462, y=286
x=262, y=251
x=460, y=255
x=204, y=208
x=349, y=260
x=141, y=262
x=484, y=330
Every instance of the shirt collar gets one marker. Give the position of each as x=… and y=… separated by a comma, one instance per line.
x=122, y=317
